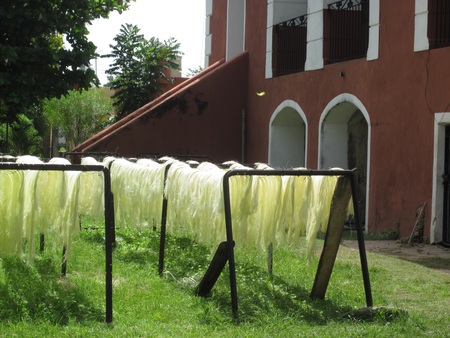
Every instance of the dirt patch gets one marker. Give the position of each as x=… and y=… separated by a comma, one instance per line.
x=434, y=256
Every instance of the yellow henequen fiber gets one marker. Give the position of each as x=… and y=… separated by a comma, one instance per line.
x=91, y=194
x=264, y=208
x=265, y=212
x=280, y=208
x=38, y=201
x=241, y=205
x=50, y=202
x=138, y=192
x=208, y=218
x=195, y=200
x=296, y=204
x=319, y=212
x=60, y=216
x=11, y=195
x=28, y=203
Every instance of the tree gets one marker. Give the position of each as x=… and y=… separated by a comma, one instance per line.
x=194, y=71
x=24, y=137
x=138, y=66
x=80, y=114
x=34, y=63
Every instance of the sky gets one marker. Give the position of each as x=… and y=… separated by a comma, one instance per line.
x=183, y=20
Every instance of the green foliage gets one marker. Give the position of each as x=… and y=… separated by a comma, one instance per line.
x=25, y=139
x=80, y=114
x=34, y=63
x=138, y=66
x=384, y=235
x=194, y=71
x=22, y=136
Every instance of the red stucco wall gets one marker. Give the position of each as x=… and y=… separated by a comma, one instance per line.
x=401, y=91
x=218, y=28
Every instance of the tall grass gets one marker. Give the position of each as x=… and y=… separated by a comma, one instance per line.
x=36, y=301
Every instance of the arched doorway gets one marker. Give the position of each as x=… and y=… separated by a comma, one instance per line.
x=287, y=136
x=344, y=142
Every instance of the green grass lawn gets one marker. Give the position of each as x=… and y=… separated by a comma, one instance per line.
x=35, y=301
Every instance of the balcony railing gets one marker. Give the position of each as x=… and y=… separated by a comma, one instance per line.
x=289, y=46
x=439, y=23
x=346, y=27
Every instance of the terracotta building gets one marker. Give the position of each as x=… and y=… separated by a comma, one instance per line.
x=353, y=84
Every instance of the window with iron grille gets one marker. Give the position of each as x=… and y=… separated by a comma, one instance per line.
x=289, y=46
x=346, y=30
x=439, y=23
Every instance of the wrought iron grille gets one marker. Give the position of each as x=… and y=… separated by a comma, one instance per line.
x=439, y=23
x=348, y=31
x=289, y=46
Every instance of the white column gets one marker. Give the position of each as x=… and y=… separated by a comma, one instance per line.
x=314, y=36
x=208, y=36
x=421, y=26
x=374, y=30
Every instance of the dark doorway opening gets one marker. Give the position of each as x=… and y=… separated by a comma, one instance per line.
x=446, y=183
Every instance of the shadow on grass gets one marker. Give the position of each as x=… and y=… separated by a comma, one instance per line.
x=437, y=263
x=38, y=293
x=94, y=235
x=137, y=246
x=141, y=247
x=261, y=294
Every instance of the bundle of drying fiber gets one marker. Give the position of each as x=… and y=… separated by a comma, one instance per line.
x=255, y=206
x=7, y=159
x=166, y=158
x=233, y=165
x=108, y=160
x=28, y=202
x=241, y=203
x=281, y=208
x=266, y=195
x=57, y=201
x=208, y=218
x=262, y=166
x=138, y=192
x=28, y=159
x=264, y=208
x=264, y=221
x=146, y=162
x=296, y=205
x=177, y=192
x=322, y=194
x=50, y=200
x=91, y=200
x=195, y=200
x=11, y=216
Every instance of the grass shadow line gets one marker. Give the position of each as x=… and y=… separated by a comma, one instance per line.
x=38, y=293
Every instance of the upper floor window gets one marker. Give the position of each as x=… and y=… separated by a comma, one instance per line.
x=438, y=23
x=307, y=34
x=289, y=46
x=346, y=30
